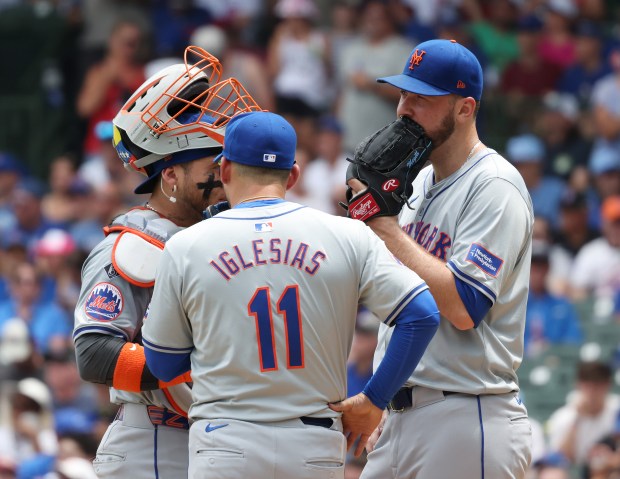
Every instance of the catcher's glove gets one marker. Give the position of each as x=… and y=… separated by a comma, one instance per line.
x=387, y=162
x=215, y=209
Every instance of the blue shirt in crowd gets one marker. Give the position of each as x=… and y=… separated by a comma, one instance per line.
x=48, y=320
x=551, y=319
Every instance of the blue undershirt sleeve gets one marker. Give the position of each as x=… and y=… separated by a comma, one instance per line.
x=167, y=366
x=414, y=327
x=476, y=303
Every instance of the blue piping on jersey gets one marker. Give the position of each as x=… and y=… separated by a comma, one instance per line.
x=100, y=329
x=484, y=289
x=257, y=203
x=410, y=295
x=155, y=451
x=156, y=347
x=455, y=180
x=258, y=217
x=481, y=438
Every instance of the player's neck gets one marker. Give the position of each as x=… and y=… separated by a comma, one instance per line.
x=256, y=193
x=453, y=154
x=172, y=211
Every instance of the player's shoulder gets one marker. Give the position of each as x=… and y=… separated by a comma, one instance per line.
x=489, y=164
x=490, y=168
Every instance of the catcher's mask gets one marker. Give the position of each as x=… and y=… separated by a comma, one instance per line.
x=178, y=115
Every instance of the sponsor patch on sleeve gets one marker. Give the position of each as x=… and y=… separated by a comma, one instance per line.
x=484, y=259
x=104, y=303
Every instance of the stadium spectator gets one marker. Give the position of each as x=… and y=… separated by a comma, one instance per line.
x=596, y=271
x=590, y=64
x=323, y=176
x=299, y=65
x=605, y=102
x=56, y=260
x=59, y=204
x=557, y=45
x=566, y=151
x=588, y=415
x=530, y=75
x=365, y=105
x=30, y=222
x=109, y=83
x=494, y=34
x=527, y=153
x=550, y=319
x=573, y=232
x=49, y=325
x=28, y=437
x=604, y=165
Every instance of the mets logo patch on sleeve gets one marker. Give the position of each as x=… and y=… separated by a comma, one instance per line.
x=104, y=303
x=484, y=259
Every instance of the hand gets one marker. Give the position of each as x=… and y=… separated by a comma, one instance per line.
x=360, y=417
x=356, y=186
x=376, y=434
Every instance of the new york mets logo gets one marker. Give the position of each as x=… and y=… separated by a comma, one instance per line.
x=416, y=58
x=390, y=185
x=104, y=303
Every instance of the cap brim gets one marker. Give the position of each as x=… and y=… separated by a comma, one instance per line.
x=218, y=157
x=147, y=185
x=413, y=85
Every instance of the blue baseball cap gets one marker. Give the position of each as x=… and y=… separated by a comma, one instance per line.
x=440, y=67
x=526, y=148
x=260, y=138
x=604, y=159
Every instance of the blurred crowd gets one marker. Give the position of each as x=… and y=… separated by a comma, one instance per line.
x=551, y=105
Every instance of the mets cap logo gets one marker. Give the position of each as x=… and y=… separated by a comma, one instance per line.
x=104, y=303
x=416, y=58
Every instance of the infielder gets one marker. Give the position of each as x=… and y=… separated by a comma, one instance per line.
x=164, y=132
x=467, y=233
x=261, y=301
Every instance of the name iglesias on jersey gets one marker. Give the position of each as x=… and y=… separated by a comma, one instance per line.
x=276, y=251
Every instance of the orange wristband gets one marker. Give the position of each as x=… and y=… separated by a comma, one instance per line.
x=129, y=367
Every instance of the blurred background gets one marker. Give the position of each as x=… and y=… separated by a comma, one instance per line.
x=551, y=105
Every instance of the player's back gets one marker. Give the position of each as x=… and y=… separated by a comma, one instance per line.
x=271, y=293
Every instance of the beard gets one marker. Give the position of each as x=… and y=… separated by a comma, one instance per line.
x=444, y=132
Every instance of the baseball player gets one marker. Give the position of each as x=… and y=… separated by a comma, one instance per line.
x=467, y=233
x=164, y=132
x=261, y=301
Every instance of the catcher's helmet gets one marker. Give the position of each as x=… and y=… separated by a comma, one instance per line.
x=178, y=115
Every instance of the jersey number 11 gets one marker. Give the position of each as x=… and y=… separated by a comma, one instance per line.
x=288, y=307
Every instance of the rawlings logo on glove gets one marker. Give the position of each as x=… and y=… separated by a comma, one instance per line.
x=387, y=162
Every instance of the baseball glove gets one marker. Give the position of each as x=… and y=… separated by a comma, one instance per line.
x=215, y=209
x=387, y=162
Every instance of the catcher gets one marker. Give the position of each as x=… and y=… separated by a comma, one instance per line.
x=169, y=130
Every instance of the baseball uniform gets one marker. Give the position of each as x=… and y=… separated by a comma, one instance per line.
x=112, y=305
x=463, y=416
x=264, y=297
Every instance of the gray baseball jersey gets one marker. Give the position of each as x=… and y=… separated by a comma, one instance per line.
x=108, y=304
x=265, y=299
x=479, y=221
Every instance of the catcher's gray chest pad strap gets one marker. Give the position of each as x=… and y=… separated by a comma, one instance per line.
x=139, y=244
